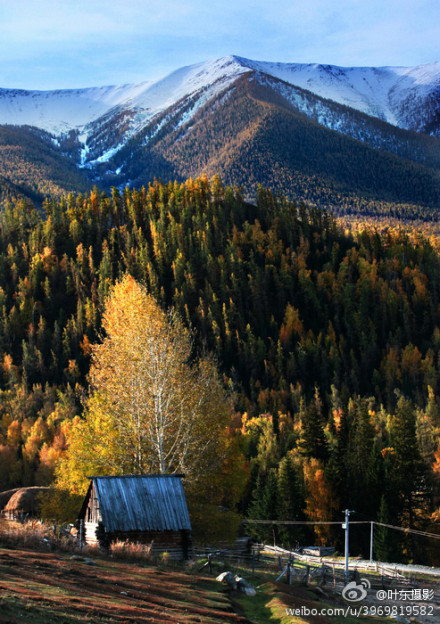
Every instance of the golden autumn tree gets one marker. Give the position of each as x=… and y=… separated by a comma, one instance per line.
x=321, y=504
x=152, y=408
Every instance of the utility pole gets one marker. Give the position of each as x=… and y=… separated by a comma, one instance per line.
x=346, y=527
x=371, y=541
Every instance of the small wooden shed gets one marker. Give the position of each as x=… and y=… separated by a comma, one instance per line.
x=146, y=509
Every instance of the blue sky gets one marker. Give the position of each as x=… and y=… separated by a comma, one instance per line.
x=47, y=44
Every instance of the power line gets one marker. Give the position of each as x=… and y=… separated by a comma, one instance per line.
x=249, y=521
x=314, y=522
x=406, y=530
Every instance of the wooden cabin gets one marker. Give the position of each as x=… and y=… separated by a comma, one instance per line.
x=146, y=509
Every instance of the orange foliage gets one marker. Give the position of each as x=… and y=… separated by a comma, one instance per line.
x=436, y=464
x=320, y=501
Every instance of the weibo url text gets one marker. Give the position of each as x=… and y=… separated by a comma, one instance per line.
x=351, y=611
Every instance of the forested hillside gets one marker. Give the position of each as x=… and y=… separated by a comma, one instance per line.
x=35, y=165
x=329, y=343
x=254, y=130
x=253, y=135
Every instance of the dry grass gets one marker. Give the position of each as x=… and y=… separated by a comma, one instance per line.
x=130, y=551
x=35, y=535
x=45, y=537
x=46, y=588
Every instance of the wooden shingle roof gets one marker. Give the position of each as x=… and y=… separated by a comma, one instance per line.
x=142, y=503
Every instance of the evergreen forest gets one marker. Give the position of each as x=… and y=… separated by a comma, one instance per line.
x=328, y=343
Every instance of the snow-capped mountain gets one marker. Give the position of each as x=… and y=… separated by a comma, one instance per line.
x=61, y=111
x=408, y=98
x=398, y=95
x=312, y=131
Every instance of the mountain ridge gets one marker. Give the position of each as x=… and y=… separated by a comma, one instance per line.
x=361, y=88
x=375, y=91
x=176, y=127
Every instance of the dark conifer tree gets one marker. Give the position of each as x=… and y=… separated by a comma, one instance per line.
x=314, y=442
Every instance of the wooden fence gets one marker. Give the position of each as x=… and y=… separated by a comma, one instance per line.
x=390, y=570
x=293, y=567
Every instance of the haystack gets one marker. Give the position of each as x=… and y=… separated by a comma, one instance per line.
x=5, y=496
x=24, y=501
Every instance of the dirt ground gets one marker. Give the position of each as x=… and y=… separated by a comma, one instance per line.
x=50, y=588
x=46, y=588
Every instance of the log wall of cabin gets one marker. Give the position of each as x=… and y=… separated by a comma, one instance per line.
x=90, y=536
x=93, y=513
x=177, y=544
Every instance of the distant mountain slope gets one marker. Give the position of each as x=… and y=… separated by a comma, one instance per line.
x=32, y=165
x=314, y=131
x=254, y=135
x=60, y=111
x=407, y=97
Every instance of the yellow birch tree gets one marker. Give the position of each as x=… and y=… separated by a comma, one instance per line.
x=151, y=409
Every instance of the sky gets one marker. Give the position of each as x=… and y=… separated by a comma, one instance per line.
x=50, y=44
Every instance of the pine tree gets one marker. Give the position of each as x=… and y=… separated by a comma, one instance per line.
x=264, y=507
x=407, y=461
x=408, y=475
x=314, y=443
x=382, y=548
x=290, y=503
